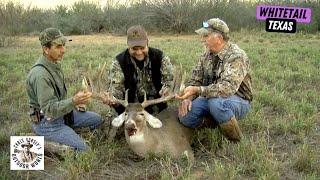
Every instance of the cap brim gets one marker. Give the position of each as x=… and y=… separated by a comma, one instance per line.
x=202, y=31
x=141, y=43
x=61, y=40
x=23, y=145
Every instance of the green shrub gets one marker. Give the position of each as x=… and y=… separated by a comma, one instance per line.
x=178, y=16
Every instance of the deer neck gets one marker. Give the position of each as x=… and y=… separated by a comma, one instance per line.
x=140, y=137
x=140, y=143
x=136, y=139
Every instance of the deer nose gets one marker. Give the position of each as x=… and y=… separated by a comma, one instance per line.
x=130, y=123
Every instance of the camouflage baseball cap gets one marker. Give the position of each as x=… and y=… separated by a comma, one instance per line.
x=52, y=35
x=214, y=24
x=137, y=36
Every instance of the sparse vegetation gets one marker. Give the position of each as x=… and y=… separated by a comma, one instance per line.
x=281, y=133
x=177, y=16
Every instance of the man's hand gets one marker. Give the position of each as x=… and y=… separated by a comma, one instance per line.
x=189, y=92
x=81, y=98
x=108, y=99
x=185, y=107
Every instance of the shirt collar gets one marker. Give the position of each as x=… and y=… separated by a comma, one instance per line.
x=223, y=51
x=146, y=61
x=52, y=65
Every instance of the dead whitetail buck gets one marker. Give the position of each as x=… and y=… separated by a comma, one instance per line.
x=146, y=133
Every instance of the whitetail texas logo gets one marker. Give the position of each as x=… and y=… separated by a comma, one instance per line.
x=26, y=153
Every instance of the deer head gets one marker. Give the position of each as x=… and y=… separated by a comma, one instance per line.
x=135, y=117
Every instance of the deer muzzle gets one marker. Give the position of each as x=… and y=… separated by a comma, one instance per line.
x=131, y=128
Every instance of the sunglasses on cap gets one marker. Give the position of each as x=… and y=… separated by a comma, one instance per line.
x=205, y=24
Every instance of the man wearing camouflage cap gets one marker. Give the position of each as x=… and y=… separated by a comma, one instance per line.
x=220, y=86
x=53, y=113
x=140, y=69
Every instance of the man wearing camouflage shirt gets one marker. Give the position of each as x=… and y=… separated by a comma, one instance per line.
x=52, y=112
x=140, y=69
x=220, y=86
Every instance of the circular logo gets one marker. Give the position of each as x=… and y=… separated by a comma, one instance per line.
x=27, y=152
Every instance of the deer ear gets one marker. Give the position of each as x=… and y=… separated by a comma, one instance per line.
x=118, y=121
x=153, y=121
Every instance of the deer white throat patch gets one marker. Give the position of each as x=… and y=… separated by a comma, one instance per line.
x=137, y=138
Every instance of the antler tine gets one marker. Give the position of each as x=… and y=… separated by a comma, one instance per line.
x=99, y=76
x=178, y=80
x=177, y=87
x=91, y=86
x=92, y=81
x=182, y=84
x=126, y=98
x=144, y=95
x=84, y=84
x=86, y=80
x=122, y=102
x=108, y=95
x=101, y=70
x=87, y=84
x=174, y=80
x=147, y=103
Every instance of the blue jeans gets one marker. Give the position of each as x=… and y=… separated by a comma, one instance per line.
x=221, y=109
x=55, y=130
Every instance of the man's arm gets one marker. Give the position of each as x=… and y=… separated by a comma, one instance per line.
x=194, y=84
x=197, y=74
x=167, y=76
x=116, y=79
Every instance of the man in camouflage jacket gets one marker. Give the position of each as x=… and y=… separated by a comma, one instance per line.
x=140, y=69
x=220, y=86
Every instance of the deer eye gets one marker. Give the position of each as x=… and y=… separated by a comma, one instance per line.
x=125, y=114
x=140, y=114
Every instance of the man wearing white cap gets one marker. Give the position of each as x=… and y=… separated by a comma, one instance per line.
x=220, y=86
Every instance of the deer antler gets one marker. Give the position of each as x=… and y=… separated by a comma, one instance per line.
x=94, y=83
x=109, y=96
x=177, y=87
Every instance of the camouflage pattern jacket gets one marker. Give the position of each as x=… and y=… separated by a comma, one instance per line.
x=42, y=89
x=223, y=74
x=142, y=78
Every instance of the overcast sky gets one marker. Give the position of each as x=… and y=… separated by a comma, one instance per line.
x=47, y=4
